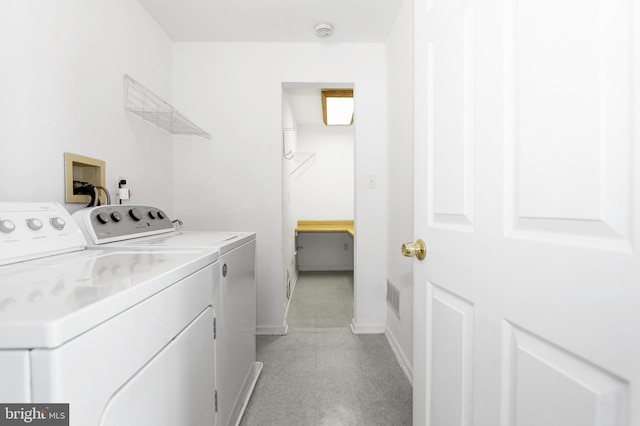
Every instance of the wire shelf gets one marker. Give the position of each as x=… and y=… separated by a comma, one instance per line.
x=147, y=105
x=302, y=162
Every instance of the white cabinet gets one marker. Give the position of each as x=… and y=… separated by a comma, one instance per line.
x=324, y=251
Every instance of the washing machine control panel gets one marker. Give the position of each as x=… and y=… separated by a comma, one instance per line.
x=34, y=230
x=118, y=222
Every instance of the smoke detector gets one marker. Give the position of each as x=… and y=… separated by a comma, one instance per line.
x=324, y=30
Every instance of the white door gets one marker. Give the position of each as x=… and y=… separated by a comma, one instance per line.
x=527, y=306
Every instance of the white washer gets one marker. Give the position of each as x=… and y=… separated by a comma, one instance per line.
x=145, y=227
x=126, y=337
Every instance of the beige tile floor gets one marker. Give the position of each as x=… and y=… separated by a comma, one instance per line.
x=322, y=374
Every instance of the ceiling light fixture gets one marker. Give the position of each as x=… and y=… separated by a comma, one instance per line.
x=337, y=107
x=324, y=30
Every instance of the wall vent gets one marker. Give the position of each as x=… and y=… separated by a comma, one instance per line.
x=393, y=298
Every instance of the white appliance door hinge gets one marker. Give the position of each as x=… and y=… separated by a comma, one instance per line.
x=216, y=400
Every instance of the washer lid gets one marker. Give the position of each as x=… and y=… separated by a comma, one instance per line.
x=223, y=241
x=46, y=302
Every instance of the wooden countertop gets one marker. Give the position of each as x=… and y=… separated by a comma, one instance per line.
x=326, y=226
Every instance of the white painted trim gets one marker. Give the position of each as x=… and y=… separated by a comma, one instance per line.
x=323, y=268
x=249, y=385
x=274, y=330
x=400, y=355
x=367, y=329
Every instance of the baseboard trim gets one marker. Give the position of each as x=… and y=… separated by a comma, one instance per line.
x=246, y=391
x=402, y=358
x=367, y=329
x=324, y=268
x=275, y=330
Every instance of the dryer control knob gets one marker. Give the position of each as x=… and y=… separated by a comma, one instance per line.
x=103, y=218
x=116, y=217
x=57, y=223
x=135, y=214
x=7, y=304
x=34, y=224
x=152, y=214
x=7, y=226
x=161, y=214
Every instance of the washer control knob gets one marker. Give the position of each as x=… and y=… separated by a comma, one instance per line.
x=57, y=223
x=135, y=214
x=7, y=226
x=7, y=304
x=161, y=214
x=103, y=218
x=152, y=214
x=116, y=217
x=34, y=224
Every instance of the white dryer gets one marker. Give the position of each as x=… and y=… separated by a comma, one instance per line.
x=125, y=337
x=145, y=227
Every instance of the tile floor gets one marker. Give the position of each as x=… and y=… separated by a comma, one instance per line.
x=322, y=374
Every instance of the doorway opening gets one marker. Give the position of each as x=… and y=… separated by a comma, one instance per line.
x=318, y=178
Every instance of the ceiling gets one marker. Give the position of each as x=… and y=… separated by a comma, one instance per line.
x=306, y=106
x=289, y=21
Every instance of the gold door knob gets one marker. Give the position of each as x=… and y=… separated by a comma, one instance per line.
x=417, y=249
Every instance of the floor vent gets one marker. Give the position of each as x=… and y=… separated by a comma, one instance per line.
x=393, y=298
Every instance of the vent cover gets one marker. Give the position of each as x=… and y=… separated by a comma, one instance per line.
x=393, y=298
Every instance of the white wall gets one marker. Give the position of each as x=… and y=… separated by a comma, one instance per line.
x=235, y=181
x=325, y=190
x=61, y=91
x=400, y=164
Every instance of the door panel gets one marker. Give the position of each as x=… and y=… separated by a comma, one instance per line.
x=527, y=192
x=567, y=114
x=450, y=123
x=533, y=366
x=450, y=341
